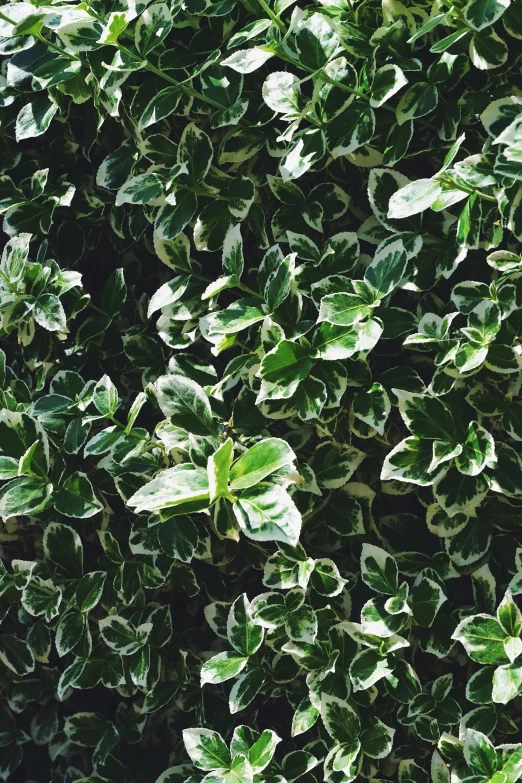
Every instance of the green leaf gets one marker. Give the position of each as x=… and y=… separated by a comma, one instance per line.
x=281, y=92
x=14, y=256
x=458, y=493
x=69, y=633
x=310, y=399
x=163, y=104
x=233, y=261
x=304, y=718
x=35, y=117
x=509, y=615
x=105, y=397
x=262, y=751
x=387, y=268
x=277, y=286
x=63, y=548
x=479, y=753
x=24, y=496
x=76, y=498
x=114, y=293
x=334, y=343
x=316, y=41
x=418, y=100
x=152, y=27
x=307, y=148
x=160, y=696
x=240, y=770
x=410, y=461
x=354, y=127
x=195, y=153
x=49, y=313
x=387, y=81
x=340, y=720
x=122, y=636
x=347, y=760
x=260, y=461
x=427, y=597
x=413, y=198
x=269, y=610
x=377, y=739
x=168, y=293
x=511, y=763
x=223, y=382
x=507, y=683
x=266, y=512
x=117, y=166
x=40, y=597
x=373, y=407
x=206, y=749
x=470, y=543
x=342, y=309
x=483, y=639
x=116, y=24
x=16, y=655
x=89, y=590
x=140, y=189
x=247, y=60
x=238, y=316
x=178, y=538
x=334, y=466
x=379, y=570
x=507, y=474
x=251, y=30
x=86, y=728
x=244, y=691
x=483, y=13
x=487, y=50
x=222, y=667
x=478, y=451
x=179, y=208
x=282, y=369
x=426, y=416
x=218, y=467
x=185, y=402
x=173, y=487
x=301, y=625
x=367, y=668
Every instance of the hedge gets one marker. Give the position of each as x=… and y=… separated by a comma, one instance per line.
x=261, y=426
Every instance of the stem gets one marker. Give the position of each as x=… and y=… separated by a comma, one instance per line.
x=70, y=605
x=485, y=196
x=55, y=48
x=456, y=13
x=275, y=19
x=344, y=87
x=41, y=39
x=201, y=277
x=98, y=310
x=133, y=432
x=447, y=178
x=10, y=286
x=241, y=286
x=7, y=19
x=154, y=69
x=250, y=291
x=188, y=90
x=320, y=72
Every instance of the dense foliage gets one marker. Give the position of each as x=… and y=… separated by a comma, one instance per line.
x=261, y=435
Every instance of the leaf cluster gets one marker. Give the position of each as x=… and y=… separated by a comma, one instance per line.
x=260, y=416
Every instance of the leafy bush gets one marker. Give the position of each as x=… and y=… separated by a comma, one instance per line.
x=261, y=434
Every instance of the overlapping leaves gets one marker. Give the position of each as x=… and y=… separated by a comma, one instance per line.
x=260, y=423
